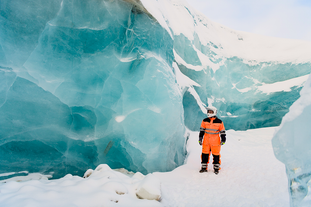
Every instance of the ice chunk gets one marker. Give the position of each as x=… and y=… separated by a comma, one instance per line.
x=138, y=177
x=102, y=167
x=292, y=144
x=149, y=188
x=88, y=173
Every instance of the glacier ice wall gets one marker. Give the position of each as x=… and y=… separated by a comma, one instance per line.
x=234, y=90
x=81, y=86
x=231, y=69
x=291, y=144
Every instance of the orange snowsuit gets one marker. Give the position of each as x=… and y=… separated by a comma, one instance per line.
x=210, y=130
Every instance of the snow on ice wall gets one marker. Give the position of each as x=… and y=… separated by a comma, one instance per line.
x=292, y=144
x=81, y=86
x=116, y=82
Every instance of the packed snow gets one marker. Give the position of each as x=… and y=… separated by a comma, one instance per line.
x=283, y=85
x=250, y=176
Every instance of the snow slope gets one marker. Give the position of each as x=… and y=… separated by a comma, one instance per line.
x=248, y=46
x=250, y=176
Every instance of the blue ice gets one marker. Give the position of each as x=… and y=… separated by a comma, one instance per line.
x=82, y=86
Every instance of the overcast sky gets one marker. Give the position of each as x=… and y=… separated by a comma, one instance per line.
x=278, y=18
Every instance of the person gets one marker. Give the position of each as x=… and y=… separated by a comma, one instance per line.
x=211, y=128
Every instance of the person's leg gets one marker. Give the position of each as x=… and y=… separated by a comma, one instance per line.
x=204, y=163
x=216, y=158
x=205, y=157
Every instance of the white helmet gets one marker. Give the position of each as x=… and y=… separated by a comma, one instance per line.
x=212, y=108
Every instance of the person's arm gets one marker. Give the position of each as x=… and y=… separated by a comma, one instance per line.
x=222, y=134
x=202, y=131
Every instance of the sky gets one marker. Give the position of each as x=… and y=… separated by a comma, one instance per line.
x=278, y=18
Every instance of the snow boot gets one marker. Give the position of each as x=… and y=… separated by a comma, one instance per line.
x=204, y=168
x=216, y=168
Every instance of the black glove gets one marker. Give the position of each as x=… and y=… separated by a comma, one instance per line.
x=200, y=140
x=223, y=139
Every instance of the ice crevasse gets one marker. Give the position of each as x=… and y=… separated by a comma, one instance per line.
x=118, y=82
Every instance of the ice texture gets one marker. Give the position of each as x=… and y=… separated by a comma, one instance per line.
x=292, y=144
x=234, y=90
x=81, y=86
x=119, y=81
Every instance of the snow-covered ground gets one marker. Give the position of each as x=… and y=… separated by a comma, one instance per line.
x=250, y=176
